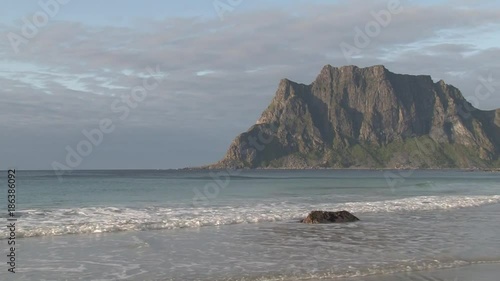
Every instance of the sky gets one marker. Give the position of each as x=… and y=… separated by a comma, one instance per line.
x=169, y=84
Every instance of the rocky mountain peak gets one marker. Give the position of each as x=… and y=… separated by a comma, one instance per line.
x=368, y=117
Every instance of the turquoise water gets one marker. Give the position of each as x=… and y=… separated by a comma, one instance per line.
x=242, y=225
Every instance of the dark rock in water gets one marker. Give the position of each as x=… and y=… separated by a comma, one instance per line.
x=329, y=217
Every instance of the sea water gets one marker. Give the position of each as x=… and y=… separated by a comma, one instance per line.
x=243, y=225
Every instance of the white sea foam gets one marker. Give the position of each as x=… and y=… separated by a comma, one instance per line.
x=37, y=222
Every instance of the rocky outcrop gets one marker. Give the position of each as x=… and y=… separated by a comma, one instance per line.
x=329, y=217
x=369, y=118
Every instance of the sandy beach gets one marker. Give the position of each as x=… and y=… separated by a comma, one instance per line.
x=477, y=272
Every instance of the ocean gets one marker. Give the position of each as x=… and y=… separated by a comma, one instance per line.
x=243, y=225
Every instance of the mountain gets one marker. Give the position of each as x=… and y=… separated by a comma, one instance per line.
x=368, y=118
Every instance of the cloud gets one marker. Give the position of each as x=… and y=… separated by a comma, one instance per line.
x=222, y=74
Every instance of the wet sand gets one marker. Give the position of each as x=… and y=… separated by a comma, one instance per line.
x=477, y=272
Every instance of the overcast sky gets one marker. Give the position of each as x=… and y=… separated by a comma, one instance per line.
x=220, y=69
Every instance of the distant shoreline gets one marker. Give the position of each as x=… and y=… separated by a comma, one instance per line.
x=273, y=169
x=350, y=168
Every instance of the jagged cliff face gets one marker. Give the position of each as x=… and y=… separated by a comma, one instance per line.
x=368, y=117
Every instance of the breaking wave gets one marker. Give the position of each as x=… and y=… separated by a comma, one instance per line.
x=46, y=222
